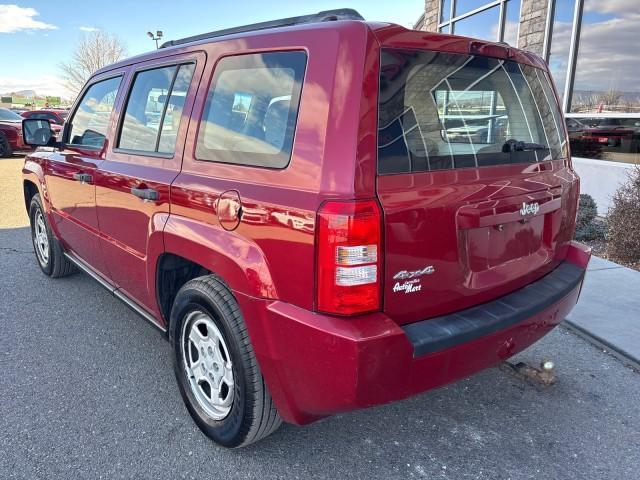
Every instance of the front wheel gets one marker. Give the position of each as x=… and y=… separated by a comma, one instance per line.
x=48, y=251
x=216, y=368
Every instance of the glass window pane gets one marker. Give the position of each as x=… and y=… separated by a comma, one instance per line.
x=484, y=25
x=251, y=110
x=561, y=42
x=445, y=13
x=91, y=120
x=173, y=115
x=445, y=29
x=512, y=22
x=144, y=109
x=606, y=78
x=456, y=111
x=464, y=6
x=614, y=139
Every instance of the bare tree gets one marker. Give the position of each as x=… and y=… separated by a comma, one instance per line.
x=93, y=52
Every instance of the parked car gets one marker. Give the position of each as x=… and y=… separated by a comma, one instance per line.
x=55, y=116
x=10, y=133
x=394, y=261
x=597, y=137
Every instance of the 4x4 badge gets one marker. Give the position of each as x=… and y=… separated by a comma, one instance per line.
x=405, y=274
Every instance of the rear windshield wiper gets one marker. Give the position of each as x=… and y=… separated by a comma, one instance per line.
x=520, y=146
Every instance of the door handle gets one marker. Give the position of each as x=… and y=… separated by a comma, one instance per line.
x=145, y=193
x=83, y=177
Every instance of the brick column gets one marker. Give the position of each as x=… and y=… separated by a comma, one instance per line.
x=431, y=16
x=533, y=18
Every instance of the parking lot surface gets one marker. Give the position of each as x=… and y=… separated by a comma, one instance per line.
x=87, y=391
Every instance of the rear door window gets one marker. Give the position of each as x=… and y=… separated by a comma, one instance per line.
x=154, y=109
x=441, y=111
x=251, y=110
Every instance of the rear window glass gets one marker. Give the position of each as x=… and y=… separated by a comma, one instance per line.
x=441, y=111
x=251, y=110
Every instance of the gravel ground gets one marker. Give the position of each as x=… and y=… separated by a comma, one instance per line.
x=12, y=212
x=87, y=391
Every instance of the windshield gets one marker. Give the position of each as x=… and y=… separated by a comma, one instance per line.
x=9, y=116
x=440, y=111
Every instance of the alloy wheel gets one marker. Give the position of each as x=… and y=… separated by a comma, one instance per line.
x=208, y=365
x=41, y=238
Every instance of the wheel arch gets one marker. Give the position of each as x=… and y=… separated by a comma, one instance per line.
x=33, y=182
x=193, y=248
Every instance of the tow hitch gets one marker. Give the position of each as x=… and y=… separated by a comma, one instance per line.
x=544, y=375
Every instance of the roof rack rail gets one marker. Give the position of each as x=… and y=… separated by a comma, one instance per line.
x=324, y=16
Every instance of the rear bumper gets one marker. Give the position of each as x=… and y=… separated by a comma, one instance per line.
x=317, y=365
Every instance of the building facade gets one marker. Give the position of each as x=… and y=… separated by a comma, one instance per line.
x=593, y=50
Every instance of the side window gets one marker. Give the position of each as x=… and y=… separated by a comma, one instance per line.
x=175, y=105
x=90, y=121
x=153, y=111
x=251, y=110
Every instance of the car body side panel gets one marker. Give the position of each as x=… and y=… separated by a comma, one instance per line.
x=130, y=227
x=279, y=205
x=237, y=260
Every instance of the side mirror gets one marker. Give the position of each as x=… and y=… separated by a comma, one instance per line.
x=37, y=133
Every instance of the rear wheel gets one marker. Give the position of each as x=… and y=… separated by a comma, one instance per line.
x=216, y=368
x=5, y=146
x=48, y=251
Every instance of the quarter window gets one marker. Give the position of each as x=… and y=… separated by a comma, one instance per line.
x=154, y=109
x=91, y=120
x=251, y=110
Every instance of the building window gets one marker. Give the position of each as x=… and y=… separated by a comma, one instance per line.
x=485, y=24
x=512, y=23
x=498, y=20
x=606, y=76
x=445, y=12
x=562, y=26
x=466, y=6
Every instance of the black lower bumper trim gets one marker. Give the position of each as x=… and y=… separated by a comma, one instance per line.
x=440, y=333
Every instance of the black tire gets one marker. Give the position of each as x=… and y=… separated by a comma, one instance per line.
x=5, y=146
x=252, y=414
x=55, y=264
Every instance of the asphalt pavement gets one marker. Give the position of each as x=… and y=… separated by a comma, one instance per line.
x=87, y=391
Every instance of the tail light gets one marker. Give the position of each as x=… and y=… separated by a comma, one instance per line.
x=348, y=257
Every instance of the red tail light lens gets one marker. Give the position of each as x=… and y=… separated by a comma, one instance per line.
x=348, y=263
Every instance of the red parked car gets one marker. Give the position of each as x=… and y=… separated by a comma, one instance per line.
x=55, y=116
x=283, y=201
x=10, y=133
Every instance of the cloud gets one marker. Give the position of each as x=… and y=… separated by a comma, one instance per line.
x=608, y=55
x=607, y=52
x=89, y=29
x=14, y=19
x=43, y=85
x=618, y=7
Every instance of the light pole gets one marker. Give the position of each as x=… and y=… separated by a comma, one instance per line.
x=155, y=37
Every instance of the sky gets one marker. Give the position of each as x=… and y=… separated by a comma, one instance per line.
x=37, y=35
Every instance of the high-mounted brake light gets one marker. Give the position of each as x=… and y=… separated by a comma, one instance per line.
x=348, y=264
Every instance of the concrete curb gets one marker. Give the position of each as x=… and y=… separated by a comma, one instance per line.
x=601, y=343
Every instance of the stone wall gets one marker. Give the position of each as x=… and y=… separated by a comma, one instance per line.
x=533, y=18
x=431, y=15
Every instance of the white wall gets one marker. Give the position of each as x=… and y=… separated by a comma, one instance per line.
x=600, y=179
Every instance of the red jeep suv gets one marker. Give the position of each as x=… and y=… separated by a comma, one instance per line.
x=321, y=213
